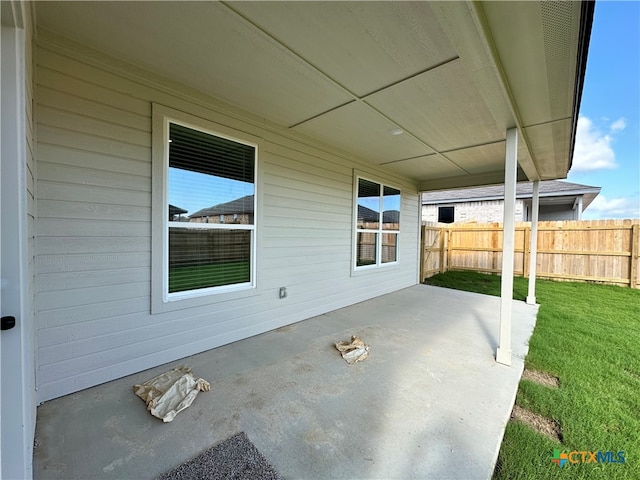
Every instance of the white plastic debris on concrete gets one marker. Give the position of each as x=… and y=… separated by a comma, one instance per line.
x=171, y=392
x=353, y=351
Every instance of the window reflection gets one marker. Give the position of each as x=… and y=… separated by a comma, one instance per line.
x=391, y=209
x=368, y=204
x=210, y=187
x=378, y=224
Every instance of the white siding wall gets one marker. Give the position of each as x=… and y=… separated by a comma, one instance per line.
x=480, y=212
x=94, y=226
x=551, y=213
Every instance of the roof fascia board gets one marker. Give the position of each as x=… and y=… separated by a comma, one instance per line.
x=586, y=22
x=463, y=200
x=587, y=199
x=591, y=192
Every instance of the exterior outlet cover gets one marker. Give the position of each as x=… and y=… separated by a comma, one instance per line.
x=9, y=322
x=283, y=292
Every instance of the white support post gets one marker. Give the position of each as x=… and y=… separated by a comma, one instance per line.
x=503, y=354
x=579, y=208
x=533, y=248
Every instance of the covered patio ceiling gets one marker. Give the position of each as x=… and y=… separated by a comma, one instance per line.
x=452, y=76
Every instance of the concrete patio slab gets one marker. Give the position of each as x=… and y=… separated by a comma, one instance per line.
x=429, y=402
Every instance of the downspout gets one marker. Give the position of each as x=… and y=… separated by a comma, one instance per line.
x=579, y=208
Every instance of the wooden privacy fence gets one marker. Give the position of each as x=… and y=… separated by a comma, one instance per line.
x=604, y=251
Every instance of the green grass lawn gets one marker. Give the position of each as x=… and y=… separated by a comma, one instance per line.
x=588, y=336
x=203, y=276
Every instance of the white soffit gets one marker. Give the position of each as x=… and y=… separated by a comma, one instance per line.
x=552, y=149
x=524, y=156
x=537, y=46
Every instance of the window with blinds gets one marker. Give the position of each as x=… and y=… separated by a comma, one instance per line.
x=210, y=211
x=377, y=224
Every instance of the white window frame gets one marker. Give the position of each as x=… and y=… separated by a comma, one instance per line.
x=379, y=231
x=161, y=299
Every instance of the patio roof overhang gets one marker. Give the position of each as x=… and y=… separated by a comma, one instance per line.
x=452, y=76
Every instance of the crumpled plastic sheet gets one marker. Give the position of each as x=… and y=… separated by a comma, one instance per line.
x=353, y=351
x=171, y=392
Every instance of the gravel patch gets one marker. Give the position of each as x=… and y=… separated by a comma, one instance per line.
x=234, y=459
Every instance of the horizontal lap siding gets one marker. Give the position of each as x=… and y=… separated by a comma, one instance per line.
x=93, y=263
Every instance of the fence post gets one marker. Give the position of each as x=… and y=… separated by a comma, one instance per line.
x=634, y=247
x=525, y=255
x=449, y=235
x=442, y=242
x=423, y=231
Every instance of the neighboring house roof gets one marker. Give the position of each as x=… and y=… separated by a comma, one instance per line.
x=368, y=215
x=173, y=210
x=391, y=216
x=548, y=189
x=243, y=205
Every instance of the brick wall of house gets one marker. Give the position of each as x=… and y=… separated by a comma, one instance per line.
x=480, y=212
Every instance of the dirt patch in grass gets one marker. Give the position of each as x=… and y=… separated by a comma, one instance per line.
x=632, y=374
x=541, y=378
x=540, y=424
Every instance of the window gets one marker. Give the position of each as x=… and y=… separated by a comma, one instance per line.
x=377, y=225
x=445, y=214
x=209, y=204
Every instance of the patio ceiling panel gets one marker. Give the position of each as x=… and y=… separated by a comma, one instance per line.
x=442, y=107
x=364, y=46
x=433, y=166
x=479, y=159
x=361, y=130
